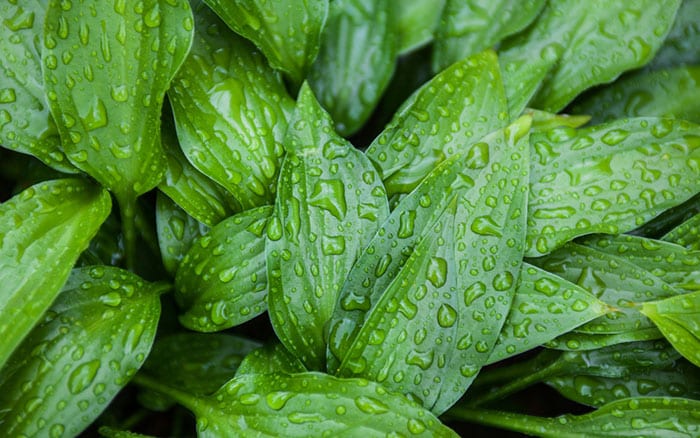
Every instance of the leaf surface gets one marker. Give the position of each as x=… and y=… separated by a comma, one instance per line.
x=176, y=232
x=416, y=21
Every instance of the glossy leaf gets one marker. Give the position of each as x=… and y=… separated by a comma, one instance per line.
x=43, y=230
x=468, y=27
x=635, y=369
x=287, y=32
x=575, y=45
x=25, y=122
x=86, y=348
x=269, y=359
x=542, y=121
x=678, y=318
x=682, y=45
x=670, y=93
x=330, y=202
x=577, y=341
x=544, y=307
x=444, y=309
x=453, y=111
x=194, y=192
x=646, y=416
x=356, y=59
x=687, y=234
x=176, y=232
x=106, y=74
x=672, y=263
x=415, y=22
x=231, y=111
x=197, y=363
x=608, y=178
x=222, y=281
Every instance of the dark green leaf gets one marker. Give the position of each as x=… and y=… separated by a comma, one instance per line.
x=88, y=345
x=577, y=341
x=608, y=178
x=231, y=111
x=176, y=232
x=222, y=281
x=287, y=32
x=43, y=230
x=415, y=22
x=453, y=111
x=110, y=432
x=442, y=312
x=575, y=45
x=330, y=203
x=106, y=70
x=355, y=62
x=468, y=27
x=673, y=93
x=682, y=45
x=269, y=359
x=686, y=234
x=678, y=318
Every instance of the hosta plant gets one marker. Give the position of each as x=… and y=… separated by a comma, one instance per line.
x=349, y=218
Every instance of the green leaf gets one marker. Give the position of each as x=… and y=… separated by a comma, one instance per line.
x=639, y=416
x=194, y=192
x=574, y=45
x=671, y=93
x=110, y=432
x=357, y=57
x=222, y=281
x=416, y=21
x=635, y=369
x=687, y=234
x=86, y=348
x=197, y=363
x=330, y=202
x=542, y=121
x=25, y=122
x=269, y=359
x=577, y=341
x=43, y=231
x=176, y=232
x=454, y=110
x=231, y=111
x=444, y=309
x=682, y=45
x=287, y=32
x=468, y=27
x=106, y=74
x=608, y=178
x=544, y=307
x=678, y=318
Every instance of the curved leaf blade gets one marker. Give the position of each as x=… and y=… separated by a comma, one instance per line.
x=270, y=359
x=176, y=232
x=687, y=234
x=43, y=230
x=416, y=21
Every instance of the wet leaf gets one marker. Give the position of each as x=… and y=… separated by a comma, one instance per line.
x=468, y=27
x=231, y=111
x=110, y=432
x=330, y=202
x=43, y=230
x=577, y=341
x=682, y=45
x=268, y=359
x=687, y=234
x=176, y=232
x=542, y=121
x=222, y=280
x=90, y=342
x=416, y=21
x=287, y=32
x=443, y=310
x=106, y=74
x=678, y=318
x=574, y=45
x=25, y=122
x=447, y=115
x=355, y=62
x=608, y=178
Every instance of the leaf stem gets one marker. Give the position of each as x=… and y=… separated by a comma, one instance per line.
x=185, y=399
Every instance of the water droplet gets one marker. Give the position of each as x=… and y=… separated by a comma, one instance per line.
x=112, y=299
x=437, y=271
x=330, y=195
x=276, y=400
x=446, y=315
x=423, y=359
x=370, y=405
x=333, y=245
x=83, y=376
x=478, y=156
x=473, y=292
x=303, y=417
x=120, y=93
x=503, y=281
x=416, y=426
x=407, y=221
x=7, y=95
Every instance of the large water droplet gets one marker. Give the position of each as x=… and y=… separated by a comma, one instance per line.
x=83, y=376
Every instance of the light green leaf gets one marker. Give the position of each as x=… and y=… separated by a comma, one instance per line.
x=43, y=230
x=222, y=281
x=106, y=74
x=86, y=348
x=687, y=234
x=176, y=232
x=682, y=45
x=416, y=21
x=444, y=309
x=608, y=178
x=287, y=32
x=231, y=111
x=575, y=45
x=671, y=93
x=447, y=115
x=355, y=62
x=330, y=202
x=25, y=122
x=269, y=359
x=468, y=27
x=542, y=121
x=678, y=318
